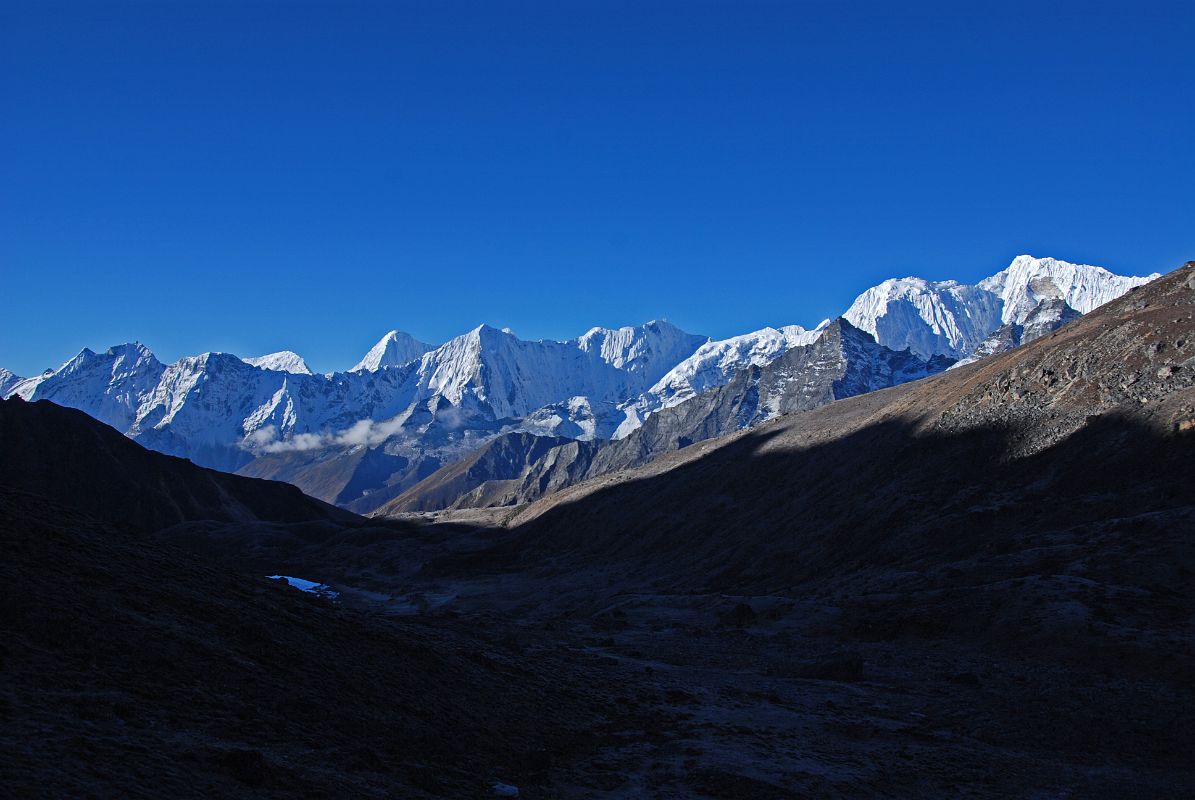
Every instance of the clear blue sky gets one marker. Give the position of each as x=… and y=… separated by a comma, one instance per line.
x=252, y=176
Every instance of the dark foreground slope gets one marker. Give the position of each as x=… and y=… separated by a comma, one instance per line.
x=134, y=668
x=66, y=456
x=131, y=669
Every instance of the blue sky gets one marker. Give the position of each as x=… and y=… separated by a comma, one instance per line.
x=254, y=176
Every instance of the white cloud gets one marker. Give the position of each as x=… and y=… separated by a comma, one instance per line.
x=366, y=432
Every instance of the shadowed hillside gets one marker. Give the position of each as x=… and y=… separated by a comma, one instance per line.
x=67, y=456
x=1099, y=411
x=133, y=668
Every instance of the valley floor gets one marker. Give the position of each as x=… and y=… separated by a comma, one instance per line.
x=144, y=672
x=723, y=696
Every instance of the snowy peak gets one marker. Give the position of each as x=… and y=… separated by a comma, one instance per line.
x=393, y=350
x=927, y=317
x=282, y=361
x=950, y=318
x=714, y=362
x=8, y=380
x=109, y=386
x=1027, y=281
x=114, y=365
x=511, y=377
x=647, y=351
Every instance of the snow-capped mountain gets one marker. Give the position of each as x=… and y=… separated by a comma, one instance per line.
x=393, y=350
x=419, y=406
x=213, y=408
x=712, y=365
x=110, y=386
x=838, y=360
x=221, y=411
x=282, y=361
x=1028, y=280
x=926, y=317
x=487, y=367
x=644, y=352
x=8, y=380
x=950, y=318
x=834, y=361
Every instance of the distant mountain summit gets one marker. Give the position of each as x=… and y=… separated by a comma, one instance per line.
x=392, y=350
x=1028, y=280
x=283, y=361
x=950, y=318
x=492, y=369
x=109, y=386
x=8, y=380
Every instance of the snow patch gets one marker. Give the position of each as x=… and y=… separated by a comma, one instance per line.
x=282, y=361
x=311, y=587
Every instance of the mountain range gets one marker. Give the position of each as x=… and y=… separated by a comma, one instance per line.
x=972, y=584
x=363, y=437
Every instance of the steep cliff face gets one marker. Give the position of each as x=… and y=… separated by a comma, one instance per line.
x=1047, y=316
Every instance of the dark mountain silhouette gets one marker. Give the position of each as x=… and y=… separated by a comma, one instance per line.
x=66, y=456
